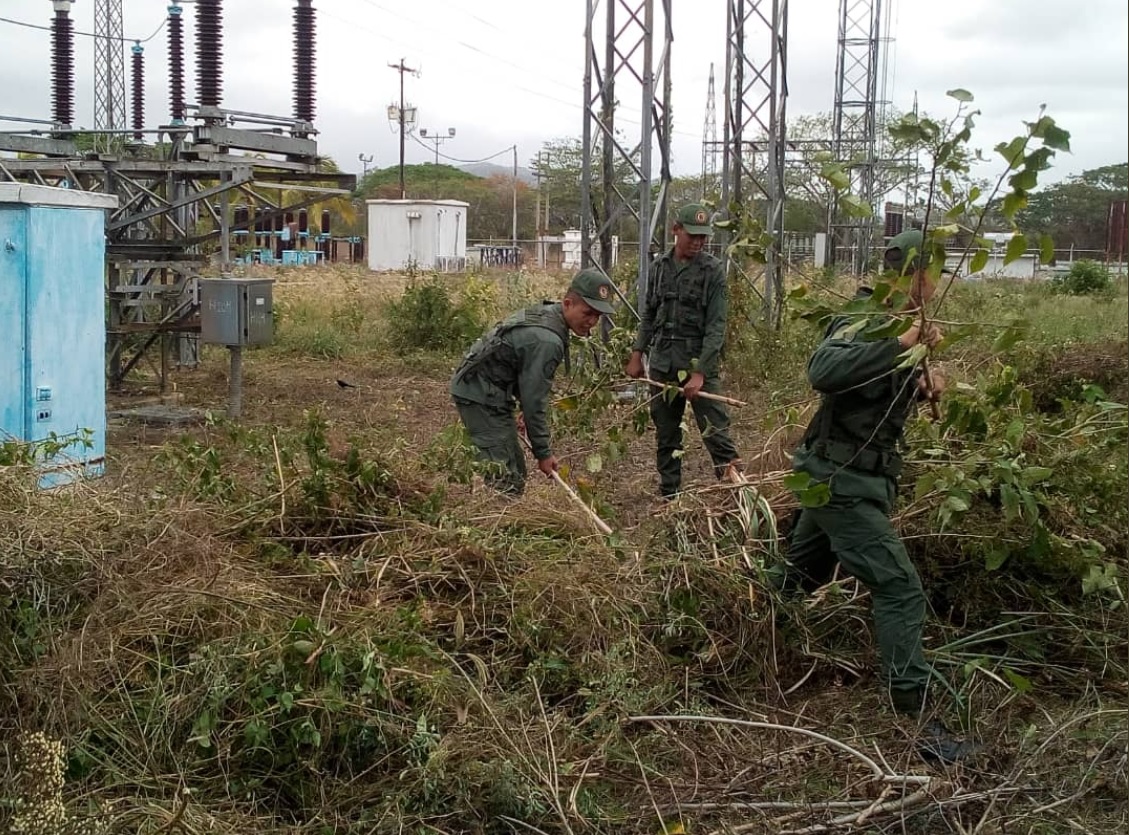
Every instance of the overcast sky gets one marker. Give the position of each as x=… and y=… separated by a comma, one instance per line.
x=510, y=71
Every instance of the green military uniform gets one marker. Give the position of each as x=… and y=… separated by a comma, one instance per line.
x=515, y=363
x=853, y=445
x=682, y=328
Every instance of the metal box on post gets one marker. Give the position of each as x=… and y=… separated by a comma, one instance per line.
x=236, y=311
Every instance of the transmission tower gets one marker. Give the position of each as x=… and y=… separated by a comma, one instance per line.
x=855, y=127
x=109, y=73
x=709, y=142
x=756, y=91
x=627, y=94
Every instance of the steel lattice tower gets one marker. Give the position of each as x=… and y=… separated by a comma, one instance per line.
x=756, y=91
x=627, y=94
x=709, y=142
x=855, y=139
x=110, y=101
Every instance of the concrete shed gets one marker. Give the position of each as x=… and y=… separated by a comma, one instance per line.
x=426, y=234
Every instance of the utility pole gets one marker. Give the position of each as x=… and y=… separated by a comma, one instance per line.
x=436, y=138
x=516, y=260
x=542, y=227
x=400, y=117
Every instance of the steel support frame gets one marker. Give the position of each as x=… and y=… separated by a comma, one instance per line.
x=756, y=91
x=158, y=237
x=109, y=74
x=855, y=123
x=635, y=65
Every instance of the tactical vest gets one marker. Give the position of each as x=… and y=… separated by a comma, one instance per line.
x=493, y=359
x=863, y=427
x=679, y=306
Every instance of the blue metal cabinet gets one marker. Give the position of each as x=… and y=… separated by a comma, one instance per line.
x=52, y=324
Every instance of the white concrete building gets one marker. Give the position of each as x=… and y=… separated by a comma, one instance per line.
x=426, y=234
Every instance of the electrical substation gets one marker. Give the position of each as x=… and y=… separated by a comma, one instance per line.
x=209, y=186
x=204, y=177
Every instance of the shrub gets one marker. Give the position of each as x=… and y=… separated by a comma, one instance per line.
x=426, y=318
x=1083, y=279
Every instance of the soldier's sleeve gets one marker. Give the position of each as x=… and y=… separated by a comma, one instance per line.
x=647, y=311
x=842, y=361
x=717, y=314
x=539, y=352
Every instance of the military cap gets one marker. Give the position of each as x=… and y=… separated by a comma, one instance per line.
x=694, y=218
x=595, y=288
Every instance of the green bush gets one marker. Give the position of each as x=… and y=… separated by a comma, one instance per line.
x=426, y=318
x=1083, y=279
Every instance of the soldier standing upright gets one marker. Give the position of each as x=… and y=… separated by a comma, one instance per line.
x=682, y=332
x=515, y=363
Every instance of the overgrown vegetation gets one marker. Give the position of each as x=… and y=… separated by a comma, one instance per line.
x=1083, y=278
x=305, y=623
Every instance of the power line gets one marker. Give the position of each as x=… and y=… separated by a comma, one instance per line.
x=508, y=149
x=156, y=31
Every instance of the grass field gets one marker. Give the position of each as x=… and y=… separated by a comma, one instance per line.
x=317, y=620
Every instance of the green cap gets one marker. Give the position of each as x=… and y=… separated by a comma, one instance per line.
x=694, y=218
x=595, y=288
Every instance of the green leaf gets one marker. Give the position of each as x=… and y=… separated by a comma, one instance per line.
x=594, y=463
x=1057, y=138
x=816, y=496
x=836, y=176
x=947, y=231
x=979, y=260
x=1013, y=203
x=1021, y=684
x=996, y=557
x=1046, y=249
x=1015, y=247
x=960, y=95
x=797, y=481
x=1009, y=499
x=912, y=356
x=855, y=206
x=1012, y=152
x=1024, y=180
x=1034, y=475
x=895, y=326
x=568, y=403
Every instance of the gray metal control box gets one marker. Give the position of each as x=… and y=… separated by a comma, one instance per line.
x=236, y=311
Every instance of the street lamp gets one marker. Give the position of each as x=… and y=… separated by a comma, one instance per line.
x=365, y=163
x=436, y=138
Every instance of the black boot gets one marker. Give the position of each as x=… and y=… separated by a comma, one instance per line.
x=938, y=744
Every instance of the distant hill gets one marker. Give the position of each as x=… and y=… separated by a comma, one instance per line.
x=490, y=169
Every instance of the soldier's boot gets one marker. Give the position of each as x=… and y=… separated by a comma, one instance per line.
x=935, y=742
x=938, y=744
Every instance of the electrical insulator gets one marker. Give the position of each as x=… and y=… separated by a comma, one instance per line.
x=62, y=64
x=176, y=65
x=209, y=52
x=325, y=221
x=303, y=221
x=304, y=47
x=138, y=58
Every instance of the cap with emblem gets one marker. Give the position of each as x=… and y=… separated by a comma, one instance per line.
x=694, y=218
x=595, y=288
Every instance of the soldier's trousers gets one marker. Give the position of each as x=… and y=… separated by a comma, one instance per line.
x=857, y=534
x=713, y=422
x=494, y=434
